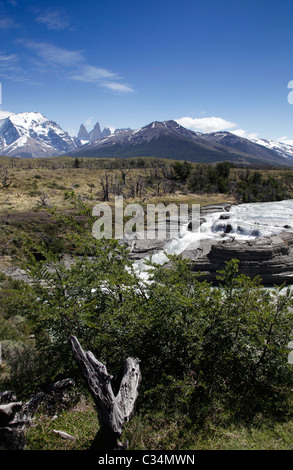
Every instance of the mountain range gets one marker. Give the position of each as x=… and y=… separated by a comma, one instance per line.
x=31, y=135
x=168, y=139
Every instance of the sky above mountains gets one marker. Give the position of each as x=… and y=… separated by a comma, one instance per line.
x=212, y=65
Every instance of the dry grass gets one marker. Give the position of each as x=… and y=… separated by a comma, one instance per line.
x=35, y=188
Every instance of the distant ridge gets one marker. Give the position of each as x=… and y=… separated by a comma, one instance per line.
x=168, y=139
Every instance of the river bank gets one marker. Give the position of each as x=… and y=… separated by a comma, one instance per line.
x=259, y=235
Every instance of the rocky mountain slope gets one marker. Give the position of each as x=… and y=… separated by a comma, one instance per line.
x=96, y=133
x=168, y=139
x=33, y=135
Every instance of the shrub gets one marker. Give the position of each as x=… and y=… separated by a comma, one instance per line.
x=201, y=347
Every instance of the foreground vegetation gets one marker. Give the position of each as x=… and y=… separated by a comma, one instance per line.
x=159, y=432
x=214, y=361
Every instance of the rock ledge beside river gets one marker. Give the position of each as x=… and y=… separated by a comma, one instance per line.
x=271, y=258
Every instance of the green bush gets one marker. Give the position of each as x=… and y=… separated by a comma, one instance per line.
x=202, y=348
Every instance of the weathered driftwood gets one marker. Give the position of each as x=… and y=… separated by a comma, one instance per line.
x=63, y=434
x=16, y=417
x=8, y=412
x=113, y=411
x=51, y=397
x=7, y=397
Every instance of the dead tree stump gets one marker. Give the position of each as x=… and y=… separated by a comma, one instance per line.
x=113, y=411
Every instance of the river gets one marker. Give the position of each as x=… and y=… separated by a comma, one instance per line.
x=242, y=221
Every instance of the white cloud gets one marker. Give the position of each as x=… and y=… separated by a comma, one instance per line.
x=215, y=124
x=54, y=19
x=246, y=135
x=9, y=62
x=119, y=87
x=286, y=140
x=101, y=77
x=6, y=23
x=91, y=74
x=74, y=66
x=89, y=122
x=54, y=55
x=206, y=124
x=10, y=69
x=5, y=114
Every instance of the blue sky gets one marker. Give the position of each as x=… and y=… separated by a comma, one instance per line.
x=212, y=65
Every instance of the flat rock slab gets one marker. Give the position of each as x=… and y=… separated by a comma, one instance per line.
x=271, y=258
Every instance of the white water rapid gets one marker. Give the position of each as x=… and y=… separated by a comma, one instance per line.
x=243, y=221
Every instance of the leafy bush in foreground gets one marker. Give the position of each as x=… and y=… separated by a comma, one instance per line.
x=202, y=349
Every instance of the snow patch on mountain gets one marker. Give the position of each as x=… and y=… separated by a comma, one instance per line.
x=281, y=148
x=31, y=134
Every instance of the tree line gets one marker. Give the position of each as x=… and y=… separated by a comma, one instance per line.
x=139, y=177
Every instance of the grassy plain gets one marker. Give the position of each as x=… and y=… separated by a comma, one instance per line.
x=36, y=185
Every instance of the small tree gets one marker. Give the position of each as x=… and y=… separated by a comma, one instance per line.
x=105, y=186
x=182, y=171
x=76, y=163
x=5, y=180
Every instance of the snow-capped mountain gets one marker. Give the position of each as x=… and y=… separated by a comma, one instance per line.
x=168, y=139
x=127, y=136
x=32, y=135
x=229, y=138
x=241, y=144
x=281, y=148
